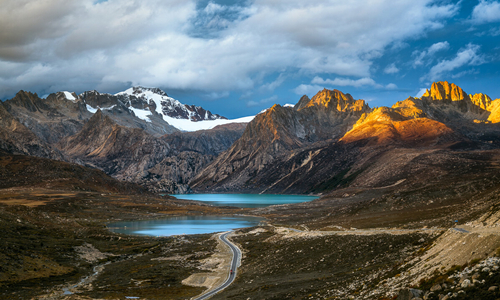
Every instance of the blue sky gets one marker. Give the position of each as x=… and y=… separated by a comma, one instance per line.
x=236, y=58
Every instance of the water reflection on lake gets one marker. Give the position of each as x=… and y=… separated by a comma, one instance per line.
x=184, y=225
x=246, y=200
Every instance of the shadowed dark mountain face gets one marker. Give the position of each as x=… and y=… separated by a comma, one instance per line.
x=162, y=164
x=16, y=138
x=275, y=136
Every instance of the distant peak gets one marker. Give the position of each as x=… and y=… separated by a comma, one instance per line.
x=328, y=97
x=442, y=90
x=138, y=90
x=68, y=95
x=304, y=100
x=333, y=100
x=23, y=93
x=89, y=93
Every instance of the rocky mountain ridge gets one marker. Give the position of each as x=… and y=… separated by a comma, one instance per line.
x=273, y=136
x=395, y=182
x=16, y=138
x=330, y=140
x=63, y=113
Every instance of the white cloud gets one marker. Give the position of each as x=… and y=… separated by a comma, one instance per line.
x=420, y=92
x=438, y=47
x=486, y=12
x=217, y=95
x=345, y=82
x=271, y=86
x=465, y=57
x=252, y=103
x=391, y=69
x=213, y=8
x=307, y=89
x=391, y=86
x=466, y=72
x=83, y=45
x=318, y=81
x=429, y=53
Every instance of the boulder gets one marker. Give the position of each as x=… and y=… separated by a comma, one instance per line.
x=409, y=294
x=466, y=283
x=436, y=287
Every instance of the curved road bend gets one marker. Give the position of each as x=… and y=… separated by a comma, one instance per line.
x=235, y=263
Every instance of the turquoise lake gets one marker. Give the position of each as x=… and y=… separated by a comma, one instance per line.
x=246, y=200
x=207, y=224
x=184, y=225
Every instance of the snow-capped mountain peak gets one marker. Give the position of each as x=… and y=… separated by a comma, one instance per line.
x=164, y=105
x=154, y=107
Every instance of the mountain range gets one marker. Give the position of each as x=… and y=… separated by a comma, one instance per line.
x=120, y=134
x=333, y=141
x=321, y=144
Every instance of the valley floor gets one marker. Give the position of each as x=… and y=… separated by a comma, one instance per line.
x=52, y=240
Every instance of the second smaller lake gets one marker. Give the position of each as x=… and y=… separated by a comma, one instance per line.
x=246, y=200
x=184, y=225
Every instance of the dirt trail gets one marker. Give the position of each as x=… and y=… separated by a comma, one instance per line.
x=294, y=233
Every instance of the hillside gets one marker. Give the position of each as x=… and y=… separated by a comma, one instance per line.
x=162, y=164
x=28, y=172
x=275, y=135
x=319, y=145
x=409, y=202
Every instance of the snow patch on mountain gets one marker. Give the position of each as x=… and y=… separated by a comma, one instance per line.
x=142, y=114
x=286, y=105
x=187, y=125
x=91, y=109
x=94, y=110
x=159, y=97
x=69, y=96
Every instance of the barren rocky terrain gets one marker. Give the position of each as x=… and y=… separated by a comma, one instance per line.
x=51, y=240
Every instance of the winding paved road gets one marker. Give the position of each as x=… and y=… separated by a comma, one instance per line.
x=235, y=263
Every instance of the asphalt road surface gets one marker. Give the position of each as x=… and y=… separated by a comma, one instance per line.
x=235, y=263
x=460, y=230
